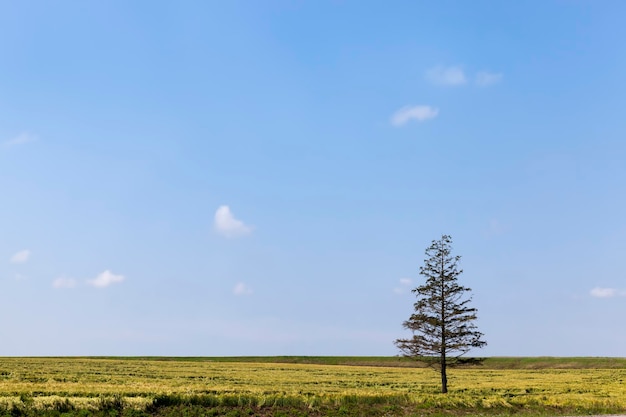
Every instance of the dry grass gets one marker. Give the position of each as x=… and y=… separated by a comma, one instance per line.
x=84, y=381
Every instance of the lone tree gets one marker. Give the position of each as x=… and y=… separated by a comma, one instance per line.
x=443, y=323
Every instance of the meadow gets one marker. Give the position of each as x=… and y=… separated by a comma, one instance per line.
x=308, y=386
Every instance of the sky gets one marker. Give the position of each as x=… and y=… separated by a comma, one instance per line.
x=230, y=178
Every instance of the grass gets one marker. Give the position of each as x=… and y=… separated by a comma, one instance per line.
x=350, y=386
x=539, y=362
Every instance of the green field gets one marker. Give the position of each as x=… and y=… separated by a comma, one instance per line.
x=308, y=386
x=535, y=362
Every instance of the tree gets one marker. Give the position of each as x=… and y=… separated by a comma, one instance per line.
x=443, y=323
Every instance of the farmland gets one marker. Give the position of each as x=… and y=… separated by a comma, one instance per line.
x=308, y=386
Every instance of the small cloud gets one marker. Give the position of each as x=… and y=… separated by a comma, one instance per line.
x=105, y=279
x=495, y=228
x=449, y=76
x=603, y=292
x=20, y=139
x=484, y=78
x=20, y=257
x=405, y=283
x=242, y=289
x=227, y=225
x=64, y=283
x=408, y=113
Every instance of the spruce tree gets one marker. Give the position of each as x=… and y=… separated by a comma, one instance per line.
x=443, y=323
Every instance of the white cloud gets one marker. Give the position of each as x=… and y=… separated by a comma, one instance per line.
x=227, y=225
x=450, y=76
x=20, y=139
x=20, y=257
x=64, y=283
x=484, y=78
x=599, y=292
x=405, y=283
x=494, y=228
x=408, y=113
x=242, y=289
x=105, y=279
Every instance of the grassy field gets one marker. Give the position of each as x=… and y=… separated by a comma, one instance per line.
x=307, y=386
x=537, y=362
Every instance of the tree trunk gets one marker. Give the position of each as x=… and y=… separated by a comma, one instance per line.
x=444, y=376
x=442, y=280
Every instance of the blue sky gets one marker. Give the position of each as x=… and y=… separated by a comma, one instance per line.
x=262, y=178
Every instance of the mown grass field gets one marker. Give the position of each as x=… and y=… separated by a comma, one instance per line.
x=308, y=386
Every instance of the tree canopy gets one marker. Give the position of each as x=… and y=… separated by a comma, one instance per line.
x=443, y=322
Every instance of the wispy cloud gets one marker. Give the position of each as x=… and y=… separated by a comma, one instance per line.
x=419, y=113
x=20, y=257
x=227, y=225
x=405, y=284
x=447, y=76
x=454, y=76
x=64, y=283
x=20, y=139
x=600, y=292
x=242, y=289
x=105, y=279
x=494, y=228
x=485, y=78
